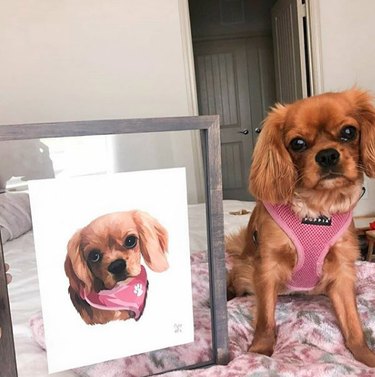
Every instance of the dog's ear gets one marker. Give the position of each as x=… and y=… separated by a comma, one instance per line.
x=153, y=239
x=76, y=268
x=272, y=174
x=364, y=112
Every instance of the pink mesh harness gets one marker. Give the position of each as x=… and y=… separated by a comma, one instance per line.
x=312, y=239
x=130, y=296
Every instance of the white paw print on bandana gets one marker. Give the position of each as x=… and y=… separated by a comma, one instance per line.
x=138, y=290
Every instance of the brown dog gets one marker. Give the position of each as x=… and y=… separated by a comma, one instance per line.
x=307, y=169
x=105, y=256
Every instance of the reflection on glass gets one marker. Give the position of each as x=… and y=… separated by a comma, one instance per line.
x=79, y=156
x=89, y=155
x=23, y=160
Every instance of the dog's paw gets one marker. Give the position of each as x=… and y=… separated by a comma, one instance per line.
x=138, y=289
x=362, y=353
x=262, y=349
x=263, y=344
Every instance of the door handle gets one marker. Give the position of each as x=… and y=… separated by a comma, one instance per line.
x=257, y=130
x=243, y=132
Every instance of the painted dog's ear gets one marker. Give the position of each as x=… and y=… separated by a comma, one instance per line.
x=76, y=268
x=153, y=239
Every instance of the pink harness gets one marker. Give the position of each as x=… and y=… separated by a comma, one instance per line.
x=130, y=296
x=312, y=239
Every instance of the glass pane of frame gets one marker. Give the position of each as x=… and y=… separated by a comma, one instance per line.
x=79, y=170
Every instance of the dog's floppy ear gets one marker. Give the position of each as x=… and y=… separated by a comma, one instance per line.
x=272, y=174
x=76, y=268
x=153, y=239
x=364, y=112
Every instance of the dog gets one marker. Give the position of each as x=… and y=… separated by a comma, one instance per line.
x=103, y=264
x=307, y=175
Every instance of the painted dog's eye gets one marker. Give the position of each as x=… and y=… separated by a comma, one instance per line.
x=95, y=256
x=130, y=242
x=298, y=145
x=348, y=133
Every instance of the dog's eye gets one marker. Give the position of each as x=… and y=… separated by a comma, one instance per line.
x=348, y=133
x=130, y=242
x=95, y=256
x=298, y=144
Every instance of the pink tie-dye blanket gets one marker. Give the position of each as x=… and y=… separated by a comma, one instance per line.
x=309, y=342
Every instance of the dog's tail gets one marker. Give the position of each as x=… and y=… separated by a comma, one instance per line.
x=239, y=277
x=235, y=243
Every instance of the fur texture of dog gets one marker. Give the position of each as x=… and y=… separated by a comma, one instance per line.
x=311, y=156
x=107, y=252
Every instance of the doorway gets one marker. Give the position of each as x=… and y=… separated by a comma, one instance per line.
x=233, y=55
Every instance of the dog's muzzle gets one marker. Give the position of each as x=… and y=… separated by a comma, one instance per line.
x=130, y=296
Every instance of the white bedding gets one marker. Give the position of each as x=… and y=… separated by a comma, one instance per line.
x=24, y=291
x=309, y=342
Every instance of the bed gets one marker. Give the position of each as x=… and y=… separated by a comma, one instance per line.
x=309, y=342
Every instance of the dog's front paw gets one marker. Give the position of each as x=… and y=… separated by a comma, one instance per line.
x=368, y=359
x=262, y=349
x=363, y=354
x=263, y=345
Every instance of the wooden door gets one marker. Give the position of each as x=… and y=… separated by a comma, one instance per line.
x=290, y=38
x=235, y=79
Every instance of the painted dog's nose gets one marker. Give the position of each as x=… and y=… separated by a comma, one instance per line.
x=117, y=267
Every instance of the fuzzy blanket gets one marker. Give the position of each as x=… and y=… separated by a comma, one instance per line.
x=309, y=342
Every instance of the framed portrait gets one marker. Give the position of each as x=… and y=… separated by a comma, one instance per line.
x=114, y=237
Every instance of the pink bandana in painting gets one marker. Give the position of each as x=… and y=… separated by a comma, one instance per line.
x=124, y=296
x=312, y=239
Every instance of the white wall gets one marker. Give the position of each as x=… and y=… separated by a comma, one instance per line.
x=346, y=51
x=93, y=59
x=347, y=43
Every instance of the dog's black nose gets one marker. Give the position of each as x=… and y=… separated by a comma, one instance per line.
x=327, y=157
x=117, y=267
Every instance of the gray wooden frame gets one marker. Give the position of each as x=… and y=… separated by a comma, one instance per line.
x=210, y=130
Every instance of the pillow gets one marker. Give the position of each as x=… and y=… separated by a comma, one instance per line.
x=15, y=215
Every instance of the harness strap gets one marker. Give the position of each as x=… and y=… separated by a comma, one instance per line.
x=312, y=240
